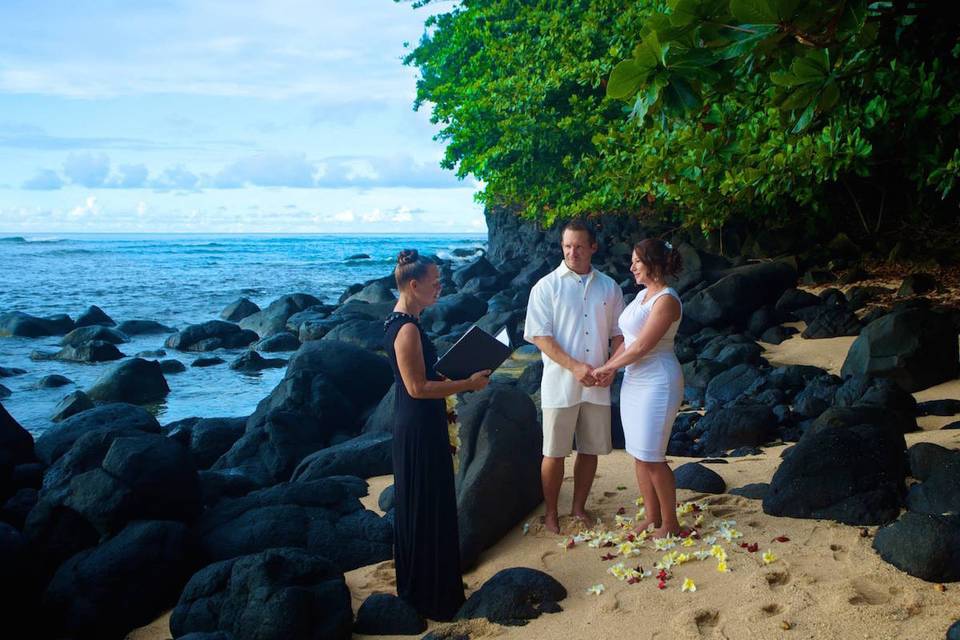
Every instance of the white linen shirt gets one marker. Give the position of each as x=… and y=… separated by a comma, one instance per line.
x=580, y=312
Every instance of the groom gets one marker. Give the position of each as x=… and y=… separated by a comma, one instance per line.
x=572, y=318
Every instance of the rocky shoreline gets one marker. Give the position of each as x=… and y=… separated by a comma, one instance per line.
x=110, y=518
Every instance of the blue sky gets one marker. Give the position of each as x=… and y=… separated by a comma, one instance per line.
x=213, y=116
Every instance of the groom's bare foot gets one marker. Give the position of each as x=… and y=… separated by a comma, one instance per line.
x=581, y=514
x=551, y=522
x=663, y=532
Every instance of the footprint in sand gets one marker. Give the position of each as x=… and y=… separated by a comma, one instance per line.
x=706, y=619
x=866, y=591
x=839, y=552
x=776, y=578
x=771, y=609
x=547, y=559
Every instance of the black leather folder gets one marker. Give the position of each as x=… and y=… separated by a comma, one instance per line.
x=476, y=350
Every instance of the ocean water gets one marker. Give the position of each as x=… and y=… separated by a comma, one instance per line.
x=176, y=280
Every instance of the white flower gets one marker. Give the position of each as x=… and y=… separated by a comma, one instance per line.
x=596, y=589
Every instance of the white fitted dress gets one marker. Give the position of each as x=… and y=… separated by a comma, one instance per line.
x=652, y=387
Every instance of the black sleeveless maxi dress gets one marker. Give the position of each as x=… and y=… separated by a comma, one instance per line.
x=426, y=534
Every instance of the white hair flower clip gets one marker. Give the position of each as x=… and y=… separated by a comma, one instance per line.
x=668, y=245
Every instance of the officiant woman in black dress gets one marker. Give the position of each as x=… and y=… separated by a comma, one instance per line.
x=426, y=539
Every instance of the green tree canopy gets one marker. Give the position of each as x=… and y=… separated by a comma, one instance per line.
x=703, y=110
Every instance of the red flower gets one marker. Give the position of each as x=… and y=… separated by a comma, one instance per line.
x=631, y=537
x=662, y=575
x=661, y=585
x=609, y=556
x=571, y=544
x=621, y=511
x=752, y=548
x=782, y=539
x=607, y=544
x=633, y=580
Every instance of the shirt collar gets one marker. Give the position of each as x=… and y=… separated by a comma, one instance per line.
x=564, y=270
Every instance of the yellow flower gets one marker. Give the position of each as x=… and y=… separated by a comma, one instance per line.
x=681, y=558
x=722, y=567
x=596, y=589
x=699, y=520
x=639, y=501
x=663, y=544
x=688, y=542
x=627, y=550
x=688, y=585
x=619, y=571
x=768, y=557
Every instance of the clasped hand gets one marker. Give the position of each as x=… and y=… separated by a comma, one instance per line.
x=598, y=377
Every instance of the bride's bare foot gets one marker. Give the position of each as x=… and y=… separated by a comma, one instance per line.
x=643, y=525
x=551, y=522
x=663, y=532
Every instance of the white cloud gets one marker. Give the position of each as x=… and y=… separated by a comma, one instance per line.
x=87, y=169
x=88, y=209
x=344, y=216
x=44, y=180
x=267, y=170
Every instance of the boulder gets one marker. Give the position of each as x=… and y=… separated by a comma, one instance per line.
x=854, y=475
x=917, y=284
x=4, y=392
x=122, y=584
x=143, y=327
x=776, y=335
x=322, y=516
x=376, y=291
x=915, y=348
x=696, y=477
x=513, y=597
x=365, y=456
x=16, y=447
x=283, y=341
x=238, y=310
x=731, y=383
x=211, y=335
x=117, y=417
x=94, y=315
x=386, y=614
x=172, y=366
x=17, y=323
x=252, y=362
x=53, y=381
x=479, y=268
x=274, y=318
x=366, y=334
x=946, y=407
x=207, y=439
x=207, y=361
x=939, y=493
x=111, y=479
x=725, y=429
x=734, y=297
x=793, y=299
x=500, y=455
x=925, y=546
x=817, y=397
x=278, y=594
x=452, y=310
x=753, y=491
x=9, y=372
x=85, y=334
x=832, y=322
x=135, y=381
x=318, y=403
x=70, y=405
x=926, y=458
x=93, y=351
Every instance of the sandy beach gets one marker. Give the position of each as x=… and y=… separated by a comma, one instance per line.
x=825, y=581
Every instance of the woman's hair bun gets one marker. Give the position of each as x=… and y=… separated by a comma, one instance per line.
x=408, y=256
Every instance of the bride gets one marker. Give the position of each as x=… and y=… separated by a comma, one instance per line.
x=652, y=387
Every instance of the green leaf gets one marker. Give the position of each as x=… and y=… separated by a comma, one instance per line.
x=784, y=79
x=627, y=77
x=754, y=11
x=829, y=96
x=746, y=43
x=679, y=95
x=805, y=118
x=799, y=98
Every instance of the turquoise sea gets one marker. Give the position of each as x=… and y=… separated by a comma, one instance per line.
x=177, y=280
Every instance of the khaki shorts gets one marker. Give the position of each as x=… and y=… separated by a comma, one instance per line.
x=590, y=422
